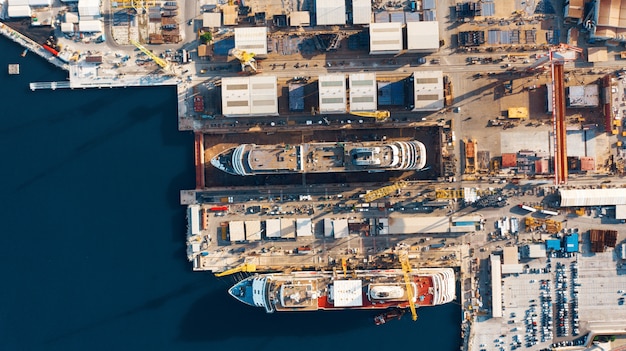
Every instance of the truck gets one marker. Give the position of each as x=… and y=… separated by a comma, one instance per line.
x=198, y=103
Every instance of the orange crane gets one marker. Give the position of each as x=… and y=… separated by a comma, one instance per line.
x=556, y=57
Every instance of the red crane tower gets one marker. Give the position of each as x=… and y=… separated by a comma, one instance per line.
x=557, y=56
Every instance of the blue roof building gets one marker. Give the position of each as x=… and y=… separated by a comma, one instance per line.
x=553, y=244
x=571, y=243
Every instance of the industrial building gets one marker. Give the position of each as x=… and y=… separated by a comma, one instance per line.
x=385, y=38
x=592, y=197
x=300, y=19
x=252, y=39
x=428, y=90
x=212, y=20
x=249, y=96
x=332, y=93
x=583, y=96
x=363, y=92
x=330, y=12
x=361, y=11
x=422, y=36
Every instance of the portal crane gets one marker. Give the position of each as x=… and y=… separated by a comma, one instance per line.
x=379, y=115
x=557, y=56
x=165, y=65
x=406, y=270
x=384, y=191
x=245, y=267
x=245, y=58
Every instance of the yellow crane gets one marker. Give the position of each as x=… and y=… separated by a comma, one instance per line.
x=406, y=270
x=344, y=266
x=245, y=267
x=245, y=58
x=165, y=65
x=384, y=191
x=380, y=116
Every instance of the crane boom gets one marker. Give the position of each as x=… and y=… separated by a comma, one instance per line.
x=406, y=270
x=379, y=115
x=159, y=61
x=245, y=58
x=384, y=191
x=246, y=267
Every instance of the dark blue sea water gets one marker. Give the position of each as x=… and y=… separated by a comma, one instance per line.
x=92, y=245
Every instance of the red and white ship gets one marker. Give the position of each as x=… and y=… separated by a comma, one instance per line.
x=364, y=289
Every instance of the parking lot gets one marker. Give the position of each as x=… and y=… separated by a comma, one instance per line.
x=556, y=302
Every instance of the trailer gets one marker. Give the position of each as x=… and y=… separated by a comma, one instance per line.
x=527, y=208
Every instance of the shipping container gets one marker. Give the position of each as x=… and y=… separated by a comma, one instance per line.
x=198, y=103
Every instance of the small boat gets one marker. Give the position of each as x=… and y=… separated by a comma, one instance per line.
x=24, y=52
x=388, y=315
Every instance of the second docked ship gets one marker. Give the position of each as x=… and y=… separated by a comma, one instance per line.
x=322, y=157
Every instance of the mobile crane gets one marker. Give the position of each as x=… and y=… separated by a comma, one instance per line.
x=246, y=59
x=165, y=65
x=403, y=257
x=380, y=116
x=245, y=267
x=384, y=191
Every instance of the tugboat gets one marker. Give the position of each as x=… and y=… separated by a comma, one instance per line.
x=388, y=315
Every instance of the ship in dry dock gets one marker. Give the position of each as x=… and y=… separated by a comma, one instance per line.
x=365, y=289
x=322, y=157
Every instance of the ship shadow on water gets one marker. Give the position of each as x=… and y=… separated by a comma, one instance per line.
x=218, y=316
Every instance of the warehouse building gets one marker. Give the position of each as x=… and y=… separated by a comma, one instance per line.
x=252, y=39
x=332, y=93
x=385, y=38
x=330, y=12
x=361, y=11
x=249, y=96
x=422, y=36
x=592, y=197
x=363, y=92
x=428, y=90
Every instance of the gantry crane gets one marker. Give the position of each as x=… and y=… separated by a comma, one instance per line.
x=165, y=65
x=246, y=59
x=384, y=191
x=557, y=56
x=380, y=116
x=406, y=270
x=245, y=267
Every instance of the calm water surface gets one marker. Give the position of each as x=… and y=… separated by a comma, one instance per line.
x=92, y=245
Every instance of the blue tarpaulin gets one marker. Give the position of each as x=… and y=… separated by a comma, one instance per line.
x=553, y=244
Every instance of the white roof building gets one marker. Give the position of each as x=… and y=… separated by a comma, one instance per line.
x=536, y=250
x=193, y=219
x=212, y=19
x=18, y=11
x=330, y=12
x=422, y=36
x=583, y=96
x=385, y=38
x=428, y=90
x=252, y=39
x=39, y=2
x=287, y=228
x=332, y=92
x=361, y=11
x=592, y=197
x=67, y=27
x=249, y=96
x=363, y=92
x=304, y=227
x=90, y=26
x=300, y=18
x=71, y=17
x=237, y=231
x=496, y=286
x=416, y=225
x=253, y=230
x=88, y=8
x=272, y=228
x=340, y=228
x=328, y=227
